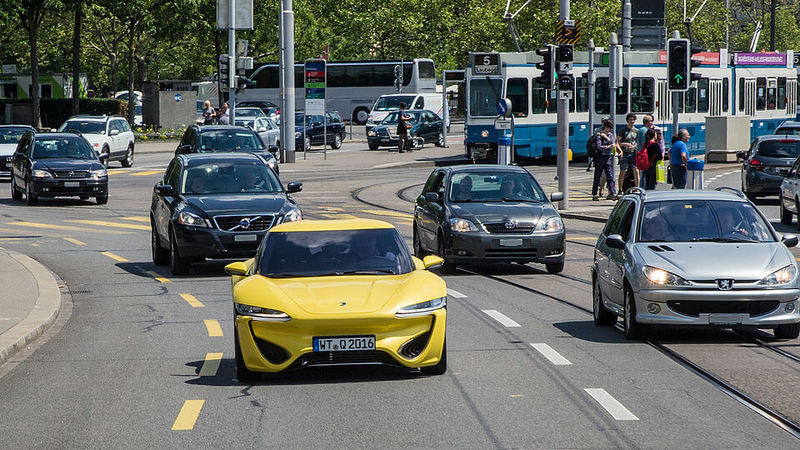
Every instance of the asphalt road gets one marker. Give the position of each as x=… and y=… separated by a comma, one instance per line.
x=140, y=358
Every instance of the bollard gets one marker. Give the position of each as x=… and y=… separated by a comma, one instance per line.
x=695, y=166
x=503, y=151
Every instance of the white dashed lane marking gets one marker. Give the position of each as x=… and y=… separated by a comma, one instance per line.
x=500, y=317
x=455, y=294
x=610, y=404
x=552, y=355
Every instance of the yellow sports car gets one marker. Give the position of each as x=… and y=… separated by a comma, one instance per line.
x=337, y=292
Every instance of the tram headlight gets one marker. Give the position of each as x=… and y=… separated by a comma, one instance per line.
x=485, y=133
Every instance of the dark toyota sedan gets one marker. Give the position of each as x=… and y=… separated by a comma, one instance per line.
x=57, y=165
x=769, y=159
x=216, y=206
x=488, y=213
x=425, y=124
x=226, y=138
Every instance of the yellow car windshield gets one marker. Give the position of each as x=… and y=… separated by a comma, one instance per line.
x=329, y=253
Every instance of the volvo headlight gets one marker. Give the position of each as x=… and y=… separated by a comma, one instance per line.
x=462, y=225
x=293, y=215
x=552, y=225
x=780, y=276
x=297, y=135
x=423, y=308
x=663, y=278
x=100, y=173
x=192, y=220
x=372, y=133
x=259, y=313
x=41, y=174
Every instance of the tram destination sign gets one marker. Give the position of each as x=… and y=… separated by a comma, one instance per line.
x=486, y=64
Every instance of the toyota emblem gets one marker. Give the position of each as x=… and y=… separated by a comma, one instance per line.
x=510, y=225
x=725, y=285
x=244, y=223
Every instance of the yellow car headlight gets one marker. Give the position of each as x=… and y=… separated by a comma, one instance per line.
x=261, y=314
x=423, y=308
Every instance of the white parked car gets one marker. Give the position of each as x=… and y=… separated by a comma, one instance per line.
x=9, y=137
x=109, y=135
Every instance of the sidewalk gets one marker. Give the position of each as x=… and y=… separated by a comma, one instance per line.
x=29, y=302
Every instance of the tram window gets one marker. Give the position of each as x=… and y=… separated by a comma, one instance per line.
x=539, y=98
x=741, y=94
x=483, y=96
x=781, y=93
x=601, y=95
x=771, y=103
x=761, y=93
x=622, y=97
x=582, y=94
x=642, y=94
x=702, y=95
x=517, y=92
x=691, y=100
x=725, y=92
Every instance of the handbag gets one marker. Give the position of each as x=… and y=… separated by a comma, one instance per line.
x=661, y=172
x=641, y=160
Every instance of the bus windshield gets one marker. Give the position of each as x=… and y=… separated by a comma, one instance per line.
x=483, y=96
x=393, y=102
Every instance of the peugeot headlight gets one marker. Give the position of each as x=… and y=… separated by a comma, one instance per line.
x=462, y=225
x=259, y=313
x=372, y=133
x=293, y=216
x=663, y=278
x=100, y=173
x=421, y=309
x=192, y=220
x=41, y=174
x=780, y=276
x=552, y=225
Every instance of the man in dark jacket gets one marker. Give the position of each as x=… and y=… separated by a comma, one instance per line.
x=603, y=162
x=402, y=128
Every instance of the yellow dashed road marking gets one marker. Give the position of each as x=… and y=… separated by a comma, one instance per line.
x=188, y=415
x=583, y=238
x=339, y=216
x=112, y=172
x=148, y=172
x=192, y=300
x=51, y=226
x=144, y=219
x=214, y=330
x=35, y=244
x=114, y=257
x=378, y=212
x=211, y=365
x=103, y=223
x=158, y=277
x=74, y=241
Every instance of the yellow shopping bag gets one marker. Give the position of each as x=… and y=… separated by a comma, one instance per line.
x=661, y=172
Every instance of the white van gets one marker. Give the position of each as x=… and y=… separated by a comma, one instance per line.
x=391, y=102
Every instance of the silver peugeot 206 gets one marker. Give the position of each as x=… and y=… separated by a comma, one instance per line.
x=687, y=257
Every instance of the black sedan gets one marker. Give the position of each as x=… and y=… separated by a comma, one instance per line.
x=425, y=124
x=488, y=213
x=216, y=206
x=310, y=130
x=226, y=138
x=769, y=159
x=57, y=165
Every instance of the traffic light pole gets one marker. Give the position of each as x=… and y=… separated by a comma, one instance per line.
x=676, y=96
x=232, y=58
x=562, y=132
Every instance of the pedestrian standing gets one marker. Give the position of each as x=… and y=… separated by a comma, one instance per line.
x=628, y=140
x=679, y=154
x=653, y=157
x=648, y=124
x=208, y=113
x=603, y=163
x=224, y=115
x=403, y=125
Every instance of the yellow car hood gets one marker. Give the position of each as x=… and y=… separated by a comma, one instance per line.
x=348, y=294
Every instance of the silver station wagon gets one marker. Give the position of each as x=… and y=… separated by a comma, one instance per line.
x=694, y=258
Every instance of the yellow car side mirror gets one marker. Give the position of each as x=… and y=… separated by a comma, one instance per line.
x=417, y=263
x=237, y=268
x=432, y=261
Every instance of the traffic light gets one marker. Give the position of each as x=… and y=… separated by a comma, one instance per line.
x=547, y=79
x=564, y=53
x=227, y=75
x=678, y=64
x=566, y=82
x=695, y=63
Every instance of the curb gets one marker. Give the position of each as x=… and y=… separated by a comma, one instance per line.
x=44, y=312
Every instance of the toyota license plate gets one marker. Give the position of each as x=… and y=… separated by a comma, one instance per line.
x=72, y=184
x=245, y=238
x=343, y=343
x=510, y=242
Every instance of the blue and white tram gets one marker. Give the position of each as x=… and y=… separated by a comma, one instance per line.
x=766, y=92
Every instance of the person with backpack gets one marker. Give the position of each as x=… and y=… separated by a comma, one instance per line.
x=605, y=147
x=628, y=139
x=647, y=158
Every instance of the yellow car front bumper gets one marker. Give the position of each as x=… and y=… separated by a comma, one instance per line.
x=269, y=346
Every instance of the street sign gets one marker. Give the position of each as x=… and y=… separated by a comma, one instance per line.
x=568, y=32
x=315, y=81
x=504, y=107
x=486, y=64
x=502, y=124
x=178, y=97
x=244, y=15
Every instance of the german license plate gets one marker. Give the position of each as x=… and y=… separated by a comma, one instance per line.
x=245, y=238
x=725, y=319
x=72, y=184
x=344, y=343
x=510, y=242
